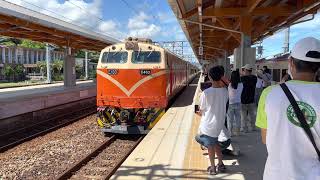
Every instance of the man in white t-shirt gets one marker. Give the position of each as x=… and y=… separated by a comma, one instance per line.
x=291, y=154
x=213, y=102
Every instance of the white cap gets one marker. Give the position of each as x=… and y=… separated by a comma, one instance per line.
x=307, y=49
x=248, y=67
x=259, y=72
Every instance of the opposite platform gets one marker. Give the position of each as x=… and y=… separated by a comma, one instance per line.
x=16, y=101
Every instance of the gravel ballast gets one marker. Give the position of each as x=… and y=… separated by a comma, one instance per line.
x=48, y=156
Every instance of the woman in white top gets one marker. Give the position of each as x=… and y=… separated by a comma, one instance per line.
x=234, y=90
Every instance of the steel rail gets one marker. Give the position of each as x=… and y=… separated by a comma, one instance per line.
x=76, y=166
x=46, y=129
x=81, y=163
x=108, y=176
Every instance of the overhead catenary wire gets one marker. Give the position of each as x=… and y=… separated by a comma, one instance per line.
x=99, y=18
x=130, y=7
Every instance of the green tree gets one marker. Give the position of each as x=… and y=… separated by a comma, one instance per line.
x=80, y=54
x=19, y=72
x=10, y=41
x=79, y=71
x=31, y=44
x=94, y=57
x=57, y=66
x=8, y=71
x=42, y=66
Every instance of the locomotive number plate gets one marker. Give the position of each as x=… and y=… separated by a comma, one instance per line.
x=112, y=71
x=145, y=72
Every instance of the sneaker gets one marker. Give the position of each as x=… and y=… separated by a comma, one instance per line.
x=221, y=168
x=212, y=170
x=236, y=152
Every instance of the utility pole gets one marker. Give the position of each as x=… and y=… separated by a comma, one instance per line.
x=286, y=43
x=48, y=64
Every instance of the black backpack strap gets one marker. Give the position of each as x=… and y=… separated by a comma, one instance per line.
x=300, y=116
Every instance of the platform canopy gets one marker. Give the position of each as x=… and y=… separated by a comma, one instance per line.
x=19, y=22
x=256, y=19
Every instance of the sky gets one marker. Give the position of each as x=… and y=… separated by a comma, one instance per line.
x=145, y=18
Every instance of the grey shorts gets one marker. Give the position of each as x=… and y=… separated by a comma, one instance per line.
x=206, y=141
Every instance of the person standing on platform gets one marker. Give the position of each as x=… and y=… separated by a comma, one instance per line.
x=247, y=99
x=289, y=118
x=234, y=89
x=266, y=77
x=259, y=86
x=285, y=78
x=224, y=80
x=213, y=111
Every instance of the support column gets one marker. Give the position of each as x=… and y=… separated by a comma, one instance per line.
x=27, y=56
x=54, y=55
x=10, y=54
x=23, y=61
x=41, y=56
x=244, y=54
x=86, y=65
x=32, y=57
x=227, y=68
x=3, y=55
x=37, y=56
x=69, y=70
x=15, y=55
x=48, y=64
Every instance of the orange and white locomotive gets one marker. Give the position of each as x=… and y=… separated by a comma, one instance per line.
x=135, y=82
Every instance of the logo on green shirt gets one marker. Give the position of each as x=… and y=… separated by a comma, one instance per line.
x=307, y=110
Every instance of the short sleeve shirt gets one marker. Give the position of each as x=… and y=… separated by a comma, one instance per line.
x=249, y=86
x=213, y=106
x=290, y=152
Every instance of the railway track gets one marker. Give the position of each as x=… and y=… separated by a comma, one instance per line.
x=104, y=160
x=18, y=136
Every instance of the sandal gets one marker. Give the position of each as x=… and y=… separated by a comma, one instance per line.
x=203, y=147
x=212, y=170
x=221, y=168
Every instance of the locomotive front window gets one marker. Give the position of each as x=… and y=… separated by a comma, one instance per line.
x=144, y=57
x=114, y=57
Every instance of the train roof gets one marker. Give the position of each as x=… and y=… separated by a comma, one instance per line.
x=281, y=57
x=151, y=43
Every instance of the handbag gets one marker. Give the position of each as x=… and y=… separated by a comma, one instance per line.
x=227, y=106
x=300, y=116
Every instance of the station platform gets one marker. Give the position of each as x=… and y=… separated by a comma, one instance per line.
x=169, y=151
x=19, y=100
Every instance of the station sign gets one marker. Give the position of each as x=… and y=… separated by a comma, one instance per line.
x=201, y=50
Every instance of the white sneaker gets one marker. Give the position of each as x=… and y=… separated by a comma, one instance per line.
x=236, y=152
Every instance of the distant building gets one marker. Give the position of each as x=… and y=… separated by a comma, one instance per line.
x=28, y=57
x=22, y=55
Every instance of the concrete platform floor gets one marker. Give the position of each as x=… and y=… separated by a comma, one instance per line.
x=249, y=165
x=169, y=151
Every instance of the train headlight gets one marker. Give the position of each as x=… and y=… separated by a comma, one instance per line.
x=112, y=71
